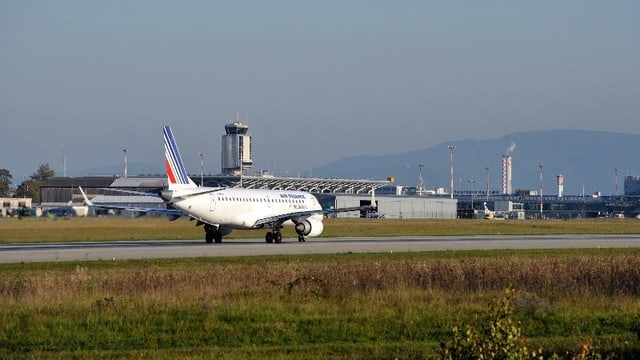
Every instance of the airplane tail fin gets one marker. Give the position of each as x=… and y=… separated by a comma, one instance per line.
x=86, y=199
x=374, y=203
x=176, y=171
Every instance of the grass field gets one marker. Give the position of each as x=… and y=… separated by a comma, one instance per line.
x=96, y=229
x=312, y=306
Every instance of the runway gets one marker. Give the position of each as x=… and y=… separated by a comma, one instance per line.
x=153, y=249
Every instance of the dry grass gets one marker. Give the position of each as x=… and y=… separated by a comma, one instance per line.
x=345, y=305
x=599, y=272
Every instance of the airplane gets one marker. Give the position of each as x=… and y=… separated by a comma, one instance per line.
x=221, y=210
x=488, y=214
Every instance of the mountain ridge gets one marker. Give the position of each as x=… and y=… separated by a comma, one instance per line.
x=586, y=158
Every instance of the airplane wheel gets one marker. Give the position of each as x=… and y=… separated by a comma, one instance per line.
x=278, y=237
x=269, y=238
x=209, y=234
x=217, y=237
x=301, y=239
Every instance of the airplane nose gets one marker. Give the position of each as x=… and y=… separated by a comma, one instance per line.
x=166, y=195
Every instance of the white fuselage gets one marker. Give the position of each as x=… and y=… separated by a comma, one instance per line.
x=238, y=208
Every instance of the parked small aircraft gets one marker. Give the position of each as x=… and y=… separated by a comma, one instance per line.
x=488, y=214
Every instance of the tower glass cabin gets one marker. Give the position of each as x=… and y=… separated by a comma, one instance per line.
x=236, y=149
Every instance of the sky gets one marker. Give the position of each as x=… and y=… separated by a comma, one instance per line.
x=315, y=81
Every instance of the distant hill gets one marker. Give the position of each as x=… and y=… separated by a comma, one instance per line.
x=587, y=160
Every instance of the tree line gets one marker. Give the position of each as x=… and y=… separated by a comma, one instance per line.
x=30, y=187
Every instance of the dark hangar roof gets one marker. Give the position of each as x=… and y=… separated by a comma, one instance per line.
x=84, y=181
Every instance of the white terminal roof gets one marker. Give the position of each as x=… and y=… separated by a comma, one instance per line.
x=316, y=185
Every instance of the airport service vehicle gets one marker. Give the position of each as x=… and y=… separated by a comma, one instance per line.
x=220, y=210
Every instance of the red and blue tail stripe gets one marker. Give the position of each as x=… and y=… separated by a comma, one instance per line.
x=175, y=167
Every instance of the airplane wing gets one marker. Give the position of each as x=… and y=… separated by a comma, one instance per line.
x=372, y=207
x=172, y=213
x=133, y=192
x=304, y=214
x=355, y=208
x=284, y=217
x=157, y=194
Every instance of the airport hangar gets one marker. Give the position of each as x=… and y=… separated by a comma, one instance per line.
x=332, y=193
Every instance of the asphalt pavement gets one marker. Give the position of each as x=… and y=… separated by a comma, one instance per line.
x=153, y=249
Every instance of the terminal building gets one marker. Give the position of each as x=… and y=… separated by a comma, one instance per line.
x=632, y=186
x=532, y=205
x=393, y=201
x=332, y=193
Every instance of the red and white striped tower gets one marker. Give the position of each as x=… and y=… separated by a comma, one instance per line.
x=507, y=187
x=560, y=178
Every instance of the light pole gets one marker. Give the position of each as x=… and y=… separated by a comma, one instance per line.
x=452, y=148
x=125, y=162
x=616, y=173
x=64, y=164
x=487, y=169
x=201, y=169
x=541, y=166
x=473, y=191
x=420, y=181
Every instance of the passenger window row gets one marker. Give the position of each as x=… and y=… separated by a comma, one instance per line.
x=290, y=201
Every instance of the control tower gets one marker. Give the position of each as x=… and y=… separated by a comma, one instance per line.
x=236, y=149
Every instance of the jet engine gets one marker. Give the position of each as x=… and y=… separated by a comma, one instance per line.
x=224, y=231
x=309, y=227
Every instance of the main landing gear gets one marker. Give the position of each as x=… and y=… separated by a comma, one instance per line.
x=273, y=236
x=276, y=236
x=212, y=234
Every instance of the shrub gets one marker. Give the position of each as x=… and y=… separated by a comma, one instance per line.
x=501, y=338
